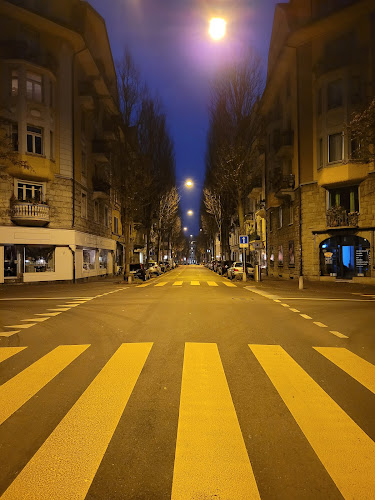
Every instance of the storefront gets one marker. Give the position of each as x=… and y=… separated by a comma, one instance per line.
x=345, y=257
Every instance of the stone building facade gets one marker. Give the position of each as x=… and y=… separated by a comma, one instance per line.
x=320, y=199
x=59, y=213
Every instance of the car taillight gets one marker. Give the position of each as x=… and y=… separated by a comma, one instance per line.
x=236, y=269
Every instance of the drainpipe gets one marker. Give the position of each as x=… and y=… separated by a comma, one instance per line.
x=300, y=278
x=74, y=263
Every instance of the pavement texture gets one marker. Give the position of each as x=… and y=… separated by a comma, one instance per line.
x=188, y=386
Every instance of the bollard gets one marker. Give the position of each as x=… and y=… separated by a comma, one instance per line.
x=256, y=273
x=300, y=283
x=130, y=279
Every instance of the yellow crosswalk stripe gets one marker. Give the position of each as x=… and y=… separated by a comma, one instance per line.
x=344, y=449
x=8, y=352
x=177, y=283
x=211, y=460
x=355, y=366
x=195, y=283
x=19, y=389
x=143, y=285
x=163, y=283
x=229, y=284
x=65, y=465
x=212, y=283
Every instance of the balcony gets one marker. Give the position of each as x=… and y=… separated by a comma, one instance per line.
x=29, y=214
x=283, y=185
x=339, y=217
x=86, y=96
x=101, y=151
x=285, y=146
x=27, y=51
x=101, y=187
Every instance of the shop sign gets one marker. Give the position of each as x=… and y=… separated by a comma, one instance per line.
x=361, y=258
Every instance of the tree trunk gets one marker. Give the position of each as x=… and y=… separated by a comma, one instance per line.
x=127, y=249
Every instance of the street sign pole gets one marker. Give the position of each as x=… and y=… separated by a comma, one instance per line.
x=244, y=264
x=244, y=243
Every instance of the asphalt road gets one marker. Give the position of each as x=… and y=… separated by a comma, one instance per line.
x=187, y=387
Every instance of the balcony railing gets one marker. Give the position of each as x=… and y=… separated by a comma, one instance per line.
x=338, y=217
x=29, y=214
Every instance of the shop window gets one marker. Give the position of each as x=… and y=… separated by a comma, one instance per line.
x=34, y=140
x=14, y=82
x=346, y=197
x=335, y=147
x=30, y=192
x=103, y=259
x=292, y=259
x=272, y=256
x=89, y=256
x=39, y=259
x=34, y=86
x=335, y=94
x=83, y=205
x=280, y=256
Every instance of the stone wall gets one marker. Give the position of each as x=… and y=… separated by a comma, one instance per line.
x=6, y=191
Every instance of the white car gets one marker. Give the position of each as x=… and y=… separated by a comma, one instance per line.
x=154, y=268
x=236, y=270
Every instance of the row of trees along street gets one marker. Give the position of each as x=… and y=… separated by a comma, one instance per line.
x=232, y=167
x=145, y=167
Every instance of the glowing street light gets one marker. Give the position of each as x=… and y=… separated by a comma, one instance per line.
x=185, y=228
x=189, y=183
x=190, y=212
x=217, y=28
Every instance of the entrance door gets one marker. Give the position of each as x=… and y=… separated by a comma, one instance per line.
x=11, y=261
x=345, y=254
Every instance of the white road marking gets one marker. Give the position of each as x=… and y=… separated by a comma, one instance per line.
x=338, y=334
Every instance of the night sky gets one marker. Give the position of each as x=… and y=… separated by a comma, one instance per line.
x=170, y=43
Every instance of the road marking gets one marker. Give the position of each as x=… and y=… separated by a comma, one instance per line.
x=294, y=310
x=285, y=305
x=327, y=299
x=8, y=352
x=162, y=283
x=338, y=334
x=318, y=323
x=47, y=298
x=9, y=334
x=39, y=320
x=62, y=309
x=28, y=325
x=276, y=300
x=212, y=283
x=195, y=283
x=65, y=465
x=306, y=316
x=48, y=314
x=263, y=294
x=177, y=283
x=355, y=366
x=211, y=458
x=71, y=304
x=344, y=449
x=22, y=387
x=143, y=285
x=229, y=284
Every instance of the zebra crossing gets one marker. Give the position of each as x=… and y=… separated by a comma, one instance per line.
x=180, y=283
x=211, y=457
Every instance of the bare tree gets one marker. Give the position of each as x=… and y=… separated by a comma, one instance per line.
x=168, y=213
x=362, y=134
x=212, y=204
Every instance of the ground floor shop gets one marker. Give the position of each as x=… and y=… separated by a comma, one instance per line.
x=40, y=254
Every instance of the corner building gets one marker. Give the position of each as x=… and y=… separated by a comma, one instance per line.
x=320, y=200
x=59, y=217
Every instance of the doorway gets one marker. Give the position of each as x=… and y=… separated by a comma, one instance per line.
x=344, y=256
x=11, y=262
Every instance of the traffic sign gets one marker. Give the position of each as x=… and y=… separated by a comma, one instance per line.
x=244, y=241
x=257, y=245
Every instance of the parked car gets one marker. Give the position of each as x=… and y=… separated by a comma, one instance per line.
x=236, y=270
x=154, y=268
x=140, y=271
x=223, y=267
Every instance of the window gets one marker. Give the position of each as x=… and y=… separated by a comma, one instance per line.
x=272, y=257
x=292, y=259
x=346, y=197
x=14, y=136
x=96, y=211
x=115, y=225
x=51, y=145
x=355, y=149
x=84, y=205
x=29, y=192
x=89, y=256
x=103, y=258
x=34, y=140
x=14, y=85
x=334, y=94
x=291, y=213
x=280, y=256
x=335, y=147
x=39, y=259
x=106, y=215
x=320, y=153
x=34, y=86
x=280, y=217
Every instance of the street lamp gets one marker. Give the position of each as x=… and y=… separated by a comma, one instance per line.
x=185, y=228
x=189, y=183
x=190, y=212
x=217, y=28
